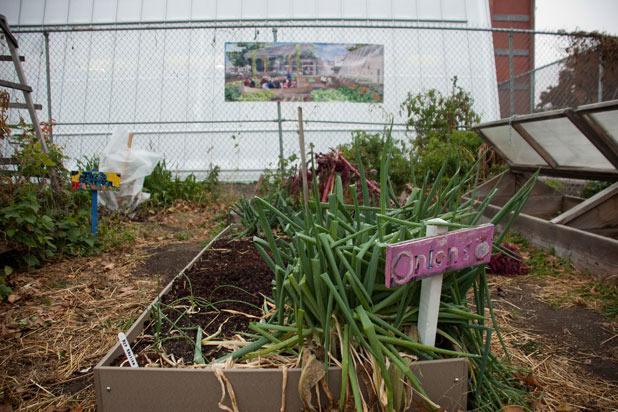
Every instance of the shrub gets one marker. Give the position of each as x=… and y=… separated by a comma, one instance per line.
x=594, y=187
x=37, y=220
x=370, y=147
x=165, y=188
x=440, y=126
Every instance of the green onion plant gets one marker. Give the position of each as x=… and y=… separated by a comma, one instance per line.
x=329, y=265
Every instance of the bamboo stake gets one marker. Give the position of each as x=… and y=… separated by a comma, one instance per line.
x=301, y=141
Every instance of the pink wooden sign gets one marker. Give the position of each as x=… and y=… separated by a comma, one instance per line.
x=418, y=259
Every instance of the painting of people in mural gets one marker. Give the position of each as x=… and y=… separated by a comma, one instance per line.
x=318, y=72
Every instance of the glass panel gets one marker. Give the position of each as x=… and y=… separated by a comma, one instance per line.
x=609, y=122
x=509, y=142
x=566, y=144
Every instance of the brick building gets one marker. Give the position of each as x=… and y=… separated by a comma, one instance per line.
x=514, y=54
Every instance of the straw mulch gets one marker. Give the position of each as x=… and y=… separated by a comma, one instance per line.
x=553, y=370
x=67, y=315
x=66, y=319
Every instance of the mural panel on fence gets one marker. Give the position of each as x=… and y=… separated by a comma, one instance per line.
x=318, y=72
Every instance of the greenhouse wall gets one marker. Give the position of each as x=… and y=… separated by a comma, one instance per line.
x=156, y=68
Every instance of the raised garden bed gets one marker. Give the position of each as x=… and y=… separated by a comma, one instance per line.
x=221, y=270
x=585, y=240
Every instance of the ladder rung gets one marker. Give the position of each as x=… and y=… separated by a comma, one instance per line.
x=17, y=86
x=23, y=106
x=10, y=59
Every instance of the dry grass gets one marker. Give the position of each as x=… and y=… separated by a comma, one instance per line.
x=552, y=377
x=67, y=318
x=68, y=315
x=553, y=373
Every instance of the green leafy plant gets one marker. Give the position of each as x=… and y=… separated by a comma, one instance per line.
x=5, y=290
x=36, y=219
x=440, y=126
x=88, y=163
x=371, y=147
x=594, y=187
x=165, y=188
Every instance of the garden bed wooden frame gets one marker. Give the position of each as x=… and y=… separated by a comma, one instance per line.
x=579, y=229
x=181, y=389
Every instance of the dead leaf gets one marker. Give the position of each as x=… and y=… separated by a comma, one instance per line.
x=312, y=372
x=107, y=267
x=12, y=298
x=77, y=409
x=531, y=380
x=564, y=407
x=538, y=405
x=126, y=291
x=512, y=408
x=6, y=404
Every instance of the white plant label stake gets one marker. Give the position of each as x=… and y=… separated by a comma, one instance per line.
x=431, y=289
x=127, y=350
x=428, y=258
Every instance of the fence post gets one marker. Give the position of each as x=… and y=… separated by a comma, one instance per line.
x=600, y=82
x=532, y=90
x=511, y=75
x=279, y=119
x=47, y=74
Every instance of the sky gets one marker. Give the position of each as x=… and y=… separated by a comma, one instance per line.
x=571, y=15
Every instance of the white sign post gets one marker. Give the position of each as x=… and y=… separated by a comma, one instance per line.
x=431, y=289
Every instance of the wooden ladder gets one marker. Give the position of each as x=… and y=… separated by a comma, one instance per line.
x=23, y=86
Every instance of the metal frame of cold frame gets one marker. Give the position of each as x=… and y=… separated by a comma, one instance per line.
x=581, y=119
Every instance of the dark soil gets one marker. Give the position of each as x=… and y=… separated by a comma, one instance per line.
x=575, y=332
x=231, y=276
x=167, y=260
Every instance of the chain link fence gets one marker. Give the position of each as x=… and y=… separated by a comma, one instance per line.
x=165, y=84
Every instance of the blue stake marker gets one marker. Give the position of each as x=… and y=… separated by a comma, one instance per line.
x=94, y=181
x=95, y=203
x=93, y=224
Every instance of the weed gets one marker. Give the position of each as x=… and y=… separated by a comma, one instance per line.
x=516, y=237
x=592, y=188
x=117, y=233
x=529, y=347
x=605, y=293
x=122, y=323
x=555, y=184
x=165, y=188
x=184, y=235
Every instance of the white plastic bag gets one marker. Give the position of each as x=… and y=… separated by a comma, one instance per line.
x=134, y=165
